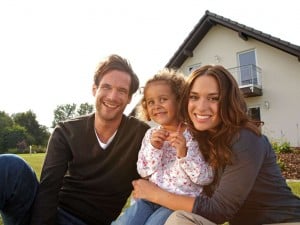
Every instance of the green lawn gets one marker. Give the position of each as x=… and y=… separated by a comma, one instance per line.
x=36, y=162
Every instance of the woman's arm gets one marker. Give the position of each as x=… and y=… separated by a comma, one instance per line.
x=147, y=190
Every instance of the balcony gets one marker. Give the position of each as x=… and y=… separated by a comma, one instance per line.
x=249, y=79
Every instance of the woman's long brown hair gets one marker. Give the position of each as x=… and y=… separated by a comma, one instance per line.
x=216, y=145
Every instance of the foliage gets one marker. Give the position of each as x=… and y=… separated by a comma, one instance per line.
x=69, y=111
x=283, y=147
x=85, y=108
x=38, y=133
x=37, y=149
x=5, y=120
x=63, y=112
x=16, y=136
x=21, y=130
x=281, y=164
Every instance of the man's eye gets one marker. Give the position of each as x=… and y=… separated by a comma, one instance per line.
x=105, y=87
x=123, y=91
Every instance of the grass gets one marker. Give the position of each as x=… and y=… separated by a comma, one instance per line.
x=295, y=186
x=36, y=162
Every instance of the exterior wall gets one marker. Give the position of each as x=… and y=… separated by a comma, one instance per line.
x=280, y=78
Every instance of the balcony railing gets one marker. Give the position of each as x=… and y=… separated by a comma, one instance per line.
x=249, y=79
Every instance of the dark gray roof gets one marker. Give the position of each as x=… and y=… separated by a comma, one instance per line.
x=209, y=20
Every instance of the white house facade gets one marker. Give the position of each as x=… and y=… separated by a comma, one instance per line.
x=266, y=68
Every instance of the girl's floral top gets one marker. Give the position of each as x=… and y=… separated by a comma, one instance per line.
x=186, y=175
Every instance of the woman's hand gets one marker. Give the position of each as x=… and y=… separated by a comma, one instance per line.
x=145, y=189
x=149, y=191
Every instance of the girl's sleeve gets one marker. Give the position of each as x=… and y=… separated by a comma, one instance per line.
x=149, y=158
x=194, y=165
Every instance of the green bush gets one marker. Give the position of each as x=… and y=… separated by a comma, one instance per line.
x=283, y=147
x=281, y=164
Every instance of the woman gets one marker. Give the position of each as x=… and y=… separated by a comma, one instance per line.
x=248, y=186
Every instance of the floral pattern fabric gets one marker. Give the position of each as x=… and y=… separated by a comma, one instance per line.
x=186, y=175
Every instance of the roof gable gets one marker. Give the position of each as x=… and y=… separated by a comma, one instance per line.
x=209, y=20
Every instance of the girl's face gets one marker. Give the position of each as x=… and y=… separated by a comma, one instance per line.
x=203, y=104
x=161, y=104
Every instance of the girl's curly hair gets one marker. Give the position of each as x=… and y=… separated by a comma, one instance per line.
x=171, y=77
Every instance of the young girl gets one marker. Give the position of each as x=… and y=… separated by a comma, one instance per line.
x=169, y=157
x=248, y=188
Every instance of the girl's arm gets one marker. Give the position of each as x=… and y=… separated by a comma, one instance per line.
x=149, y=157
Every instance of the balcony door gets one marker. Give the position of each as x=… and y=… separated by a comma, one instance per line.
x=247, y=64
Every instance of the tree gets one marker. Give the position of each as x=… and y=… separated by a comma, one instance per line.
x=84, y=109
x=5, y=120
x=36, y=133
x=70, y=111
x=15, y=137
x=21, y=130
x=27, y=120
x=5, y=123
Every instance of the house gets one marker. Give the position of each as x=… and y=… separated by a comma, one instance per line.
x=267, y=70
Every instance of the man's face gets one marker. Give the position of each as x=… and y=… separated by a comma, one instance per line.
x=112, y=95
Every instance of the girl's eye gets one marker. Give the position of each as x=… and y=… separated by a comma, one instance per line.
x=150, y=103
x=162, y=100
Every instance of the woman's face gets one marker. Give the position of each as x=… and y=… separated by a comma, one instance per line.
x=203, y=104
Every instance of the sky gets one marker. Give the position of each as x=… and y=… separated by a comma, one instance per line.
x=49, y=49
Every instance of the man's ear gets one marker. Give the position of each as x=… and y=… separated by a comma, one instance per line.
x=129, y=99
x=94, y=89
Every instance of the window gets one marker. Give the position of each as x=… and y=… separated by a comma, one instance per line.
x=193, y=67
x=247, y=64
x=254, y=113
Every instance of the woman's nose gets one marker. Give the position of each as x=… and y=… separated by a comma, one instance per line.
x=202, y=104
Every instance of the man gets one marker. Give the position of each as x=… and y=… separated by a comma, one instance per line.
x=91, y=160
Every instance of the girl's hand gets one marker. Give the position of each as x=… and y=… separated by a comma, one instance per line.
x=158, y=137
x=178, y=141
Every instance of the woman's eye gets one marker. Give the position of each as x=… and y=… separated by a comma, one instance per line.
x=193, y=97
x=214, y=99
